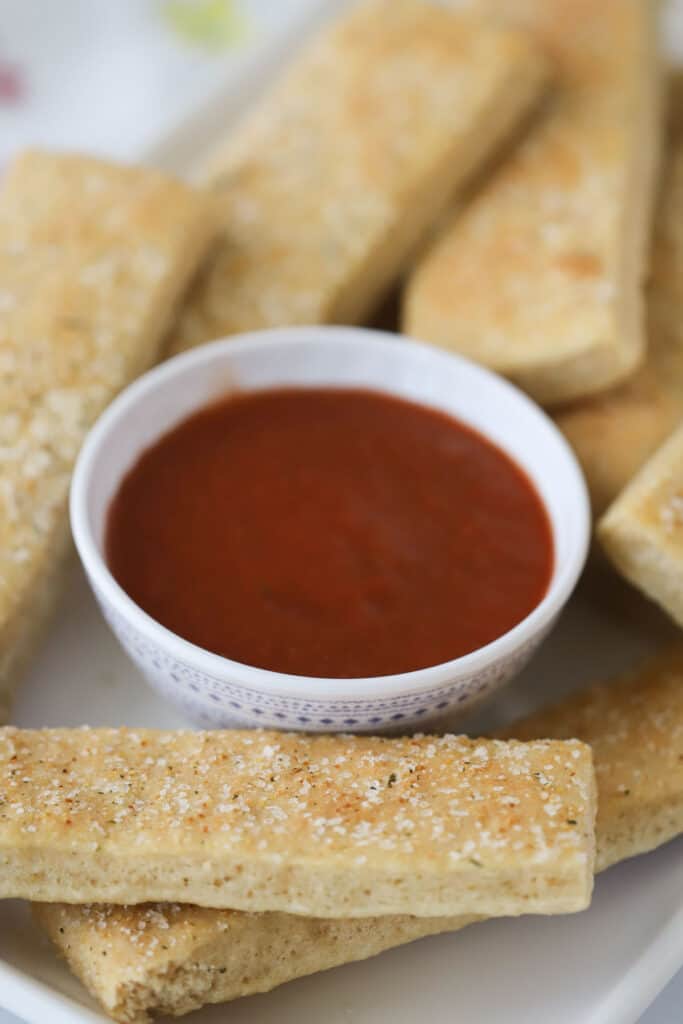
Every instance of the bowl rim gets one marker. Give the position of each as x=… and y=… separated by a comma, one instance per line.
x=562, y=582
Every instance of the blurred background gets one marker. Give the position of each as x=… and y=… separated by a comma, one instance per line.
x=112, y=77
x=115, y=76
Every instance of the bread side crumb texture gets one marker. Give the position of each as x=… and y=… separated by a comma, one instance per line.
x=540, y=276
x=613, y=434
x=642, y=530
x=328, y=185
x=93, y=260
x=330, y=826
x=168, y=958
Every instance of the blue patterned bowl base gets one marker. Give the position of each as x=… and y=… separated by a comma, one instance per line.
x=213, y=702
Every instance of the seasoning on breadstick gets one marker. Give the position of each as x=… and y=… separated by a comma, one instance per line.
x=540, y=276
x=614, y=433
x=333, y=179
x=93, y=261
x=332, y=826
x=172, y=958
x=642, y=531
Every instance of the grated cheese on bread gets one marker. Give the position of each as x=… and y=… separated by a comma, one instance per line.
x=94, y=258
x=331, y=826
x=332, y=180
x=540, y=276
x=173, y=958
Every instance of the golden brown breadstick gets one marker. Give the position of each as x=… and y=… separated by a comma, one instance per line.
x=333, y=826
x=642, y=531
x=173, y=959
x=333, y=179
x=540, y=276
x=614, y=433
x=634, y=725
x=93, y=260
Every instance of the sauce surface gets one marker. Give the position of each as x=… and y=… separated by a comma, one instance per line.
x=330, y=533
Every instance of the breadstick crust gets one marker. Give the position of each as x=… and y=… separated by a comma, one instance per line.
x=540, y=276
x=642, y=530
x=614, y=434
x=325, y=826
x=328, y=186
x=634, y=725
x=170, y=959
x=94, y=258
x=159, y=959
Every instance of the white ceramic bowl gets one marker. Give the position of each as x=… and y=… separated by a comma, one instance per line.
x=217, y=692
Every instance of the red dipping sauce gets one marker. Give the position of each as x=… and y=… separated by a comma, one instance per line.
x=338, y=533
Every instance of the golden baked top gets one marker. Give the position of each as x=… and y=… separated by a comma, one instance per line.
x=614, y=433
x=635, y=728
x=651, y=505
x=127, y=955
x=93, y=257
x=290, y=796
x=539, y=275
x=338, y=166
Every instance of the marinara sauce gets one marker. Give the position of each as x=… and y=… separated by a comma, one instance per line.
x=327, y=532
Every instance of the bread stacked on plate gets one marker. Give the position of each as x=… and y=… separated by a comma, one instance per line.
x=327, y=849
x=498, y=166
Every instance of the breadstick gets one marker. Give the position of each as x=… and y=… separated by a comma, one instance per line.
x=540, y=276
x=93, y=260
x=613, y=434
x=169, y=958
x=332, y=826
x=330, y=183
x=642, y=531
x=634, y=725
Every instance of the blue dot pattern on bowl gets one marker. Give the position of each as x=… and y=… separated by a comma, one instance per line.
x=218, y=703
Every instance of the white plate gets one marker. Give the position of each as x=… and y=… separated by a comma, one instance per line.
x=603, y=966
